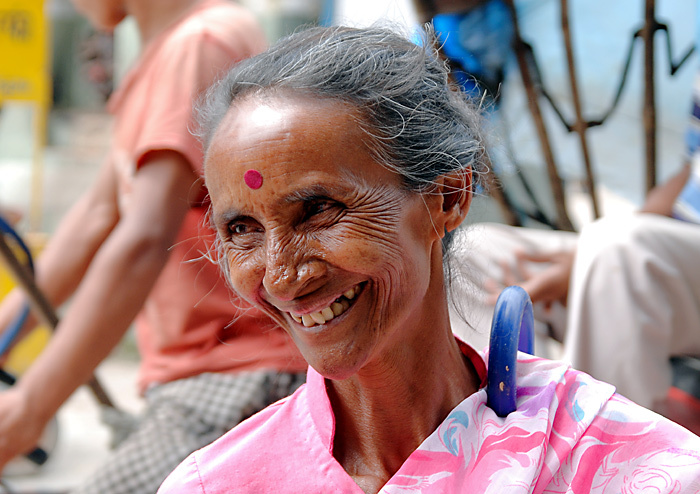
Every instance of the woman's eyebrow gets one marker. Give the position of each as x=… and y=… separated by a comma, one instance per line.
x=227, y=216
x=310, y=193
x=306, y=194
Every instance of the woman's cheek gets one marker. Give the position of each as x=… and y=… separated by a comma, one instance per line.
x=357, y=249
x=244, y=274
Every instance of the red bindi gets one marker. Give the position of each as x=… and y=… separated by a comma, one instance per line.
x=253, y=179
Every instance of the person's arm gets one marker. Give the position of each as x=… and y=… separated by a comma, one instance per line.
x=65, y=258
x=112, y=291
x=660, y=199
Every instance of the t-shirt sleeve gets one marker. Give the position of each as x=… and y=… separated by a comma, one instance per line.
x=185, y=68
x=184, y=479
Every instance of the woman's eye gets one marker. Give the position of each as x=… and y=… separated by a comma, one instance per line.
x=243, y=234
x=241, y=227
x=317, y=208
x=321, y=209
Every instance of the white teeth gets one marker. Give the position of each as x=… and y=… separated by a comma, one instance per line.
x=337, y=308
x=318, y=317
x=327, y=314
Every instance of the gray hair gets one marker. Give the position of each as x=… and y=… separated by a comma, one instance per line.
x=419, y=124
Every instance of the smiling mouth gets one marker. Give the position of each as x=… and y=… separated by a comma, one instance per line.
x=337, y=308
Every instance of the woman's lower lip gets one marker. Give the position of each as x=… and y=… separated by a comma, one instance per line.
x=319, y=328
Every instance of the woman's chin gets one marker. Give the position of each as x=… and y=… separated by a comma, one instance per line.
x=336, y=364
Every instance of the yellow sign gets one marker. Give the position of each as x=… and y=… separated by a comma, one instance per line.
x=23, y=60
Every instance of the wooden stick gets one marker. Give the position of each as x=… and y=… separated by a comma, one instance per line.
x=562, y=218
x=580, y=126
x=495, y=190
x=24, y=278
x=649, y=111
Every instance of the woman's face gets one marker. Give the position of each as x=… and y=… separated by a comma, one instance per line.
x=329, y=244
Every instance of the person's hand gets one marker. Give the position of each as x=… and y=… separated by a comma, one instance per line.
x=547, y=285
x=20, y=427
x=661, y=198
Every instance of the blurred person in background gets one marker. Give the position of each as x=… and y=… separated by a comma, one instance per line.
x=134, y=246
x=475, y=37
x=624, y=295
x=629, y=284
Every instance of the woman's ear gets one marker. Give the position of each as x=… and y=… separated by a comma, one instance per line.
x=456, y=191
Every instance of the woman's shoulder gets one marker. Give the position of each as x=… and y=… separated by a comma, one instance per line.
x=255, y=449
x=253, y=436
x=580, y=407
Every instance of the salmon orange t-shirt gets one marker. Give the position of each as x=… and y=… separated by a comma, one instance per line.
x=191, y=322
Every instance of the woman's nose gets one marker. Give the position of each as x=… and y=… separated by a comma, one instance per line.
x=289, y=275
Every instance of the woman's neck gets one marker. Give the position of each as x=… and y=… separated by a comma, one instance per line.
x=386, y=411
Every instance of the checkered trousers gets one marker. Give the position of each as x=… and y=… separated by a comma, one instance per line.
x=181, y=417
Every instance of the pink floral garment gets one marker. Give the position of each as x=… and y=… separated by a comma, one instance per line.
x=569, y=434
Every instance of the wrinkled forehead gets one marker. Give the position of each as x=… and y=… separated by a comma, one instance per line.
x=271, y=106
x=302, y=120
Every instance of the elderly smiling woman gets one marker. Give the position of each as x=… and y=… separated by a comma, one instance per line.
x=339, y=163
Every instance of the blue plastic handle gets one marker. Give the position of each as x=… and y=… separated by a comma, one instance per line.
x=13, y=330
x=512, y=329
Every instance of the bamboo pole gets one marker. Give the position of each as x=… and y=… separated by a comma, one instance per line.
x=40, y=119
x=562, y=220
x=649, y=111
x=580, y=125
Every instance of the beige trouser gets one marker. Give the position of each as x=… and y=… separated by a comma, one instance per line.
x=634, y=301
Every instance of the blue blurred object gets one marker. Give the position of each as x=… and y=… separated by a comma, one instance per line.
x=477, y=43
x=13, y=330
x=5, y=228
x=327, y=13
x=687, y=205
x=512, y=329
